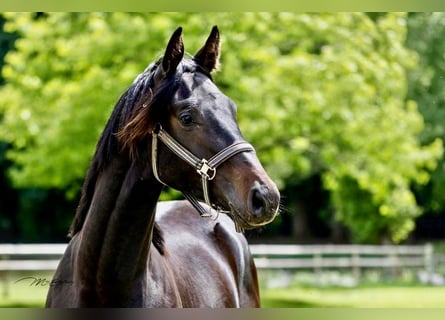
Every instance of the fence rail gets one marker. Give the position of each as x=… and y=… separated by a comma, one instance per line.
x=45, y=257
x=316, y=258
x=30, y=257
x=355, y=257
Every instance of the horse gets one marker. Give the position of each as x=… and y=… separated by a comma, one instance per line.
x=172, y=127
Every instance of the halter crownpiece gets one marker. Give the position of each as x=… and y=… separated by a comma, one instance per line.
x=205, y=168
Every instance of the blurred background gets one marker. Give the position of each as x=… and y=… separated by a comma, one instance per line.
x=346, y=112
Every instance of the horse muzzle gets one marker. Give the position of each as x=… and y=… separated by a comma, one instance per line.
x=262, y=204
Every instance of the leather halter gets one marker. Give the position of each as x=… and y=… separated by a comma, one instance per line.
x=205, y=168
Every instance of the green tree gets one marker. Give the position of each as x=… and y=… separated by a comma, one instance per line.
x=338, y=82
x=8, y=200
x=318, y=94
x=427, y=87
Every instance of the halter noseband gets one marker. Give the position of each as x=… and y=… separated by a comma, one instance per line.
x=205, y=168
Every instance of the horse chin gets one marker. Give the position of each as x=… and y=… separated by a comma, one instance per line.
x=241, y=223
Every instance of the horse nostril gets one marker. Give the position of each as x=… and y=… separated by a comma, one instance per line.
x=257, y=201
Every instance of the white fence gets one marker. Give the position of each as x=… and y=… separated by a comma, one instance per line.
x=340, y=256
x=45, y=257
x=356, y=258
x=30, y=257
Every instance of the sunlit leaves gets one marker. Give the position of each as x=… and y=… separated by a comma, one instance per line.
x=316, y=94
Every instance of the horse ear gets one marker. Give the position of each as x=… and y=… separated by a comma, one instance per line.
x=208, y=56
x=173, y=53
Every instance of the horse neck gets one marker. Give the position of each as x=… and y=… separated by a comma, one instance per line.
x=115, y=239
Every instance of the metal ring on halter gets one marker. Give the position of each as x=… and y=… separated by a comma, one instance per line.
x=205, y=168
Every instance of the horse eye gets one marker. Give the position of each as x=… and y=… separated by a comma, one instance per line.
x=186, y=119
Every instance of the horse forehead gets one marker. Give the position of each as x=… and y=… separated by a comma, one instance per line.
x=199, y=86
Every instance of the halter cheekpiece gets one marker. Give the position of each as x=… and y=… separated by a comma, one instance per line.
x=205, y=168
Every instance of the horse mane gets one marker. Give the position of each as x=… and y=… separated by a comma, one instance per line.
x=133, y=118
x=108, y=144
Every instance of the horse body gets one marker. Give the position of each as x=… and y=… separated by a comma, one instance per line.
x=128, y=250
x=209, y=266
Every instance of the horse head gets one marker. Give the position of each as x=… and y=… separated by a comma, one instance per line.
x=185, y=120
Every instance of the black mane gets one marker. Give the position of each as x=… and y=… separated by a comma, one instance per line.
x=138, y=105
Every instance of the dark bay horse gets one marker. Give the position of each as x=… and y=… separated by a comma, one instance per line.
x=172, y=127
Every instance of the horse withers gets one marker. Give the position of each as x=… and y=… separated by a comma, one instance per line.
x=173, y=127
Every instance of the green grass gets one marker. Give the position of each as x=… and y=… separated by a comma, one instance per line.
x=359, y=297
x=22, y=292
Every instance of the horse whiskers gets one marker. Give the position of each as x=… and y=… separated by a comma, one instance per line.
x=282, y=208
x=238, y=226
x=237, y=219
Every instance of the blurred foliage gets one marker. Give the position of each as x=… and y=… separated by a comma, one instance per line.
x=8, y=196
x=317, y=94
x=427, y=86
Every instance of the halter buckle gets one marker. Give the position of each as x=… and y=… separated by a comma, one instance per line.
x=205, y=169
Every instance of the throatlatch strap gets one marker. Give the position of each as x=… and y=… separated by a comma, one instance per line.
x=154, y=157
x=203, y=212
